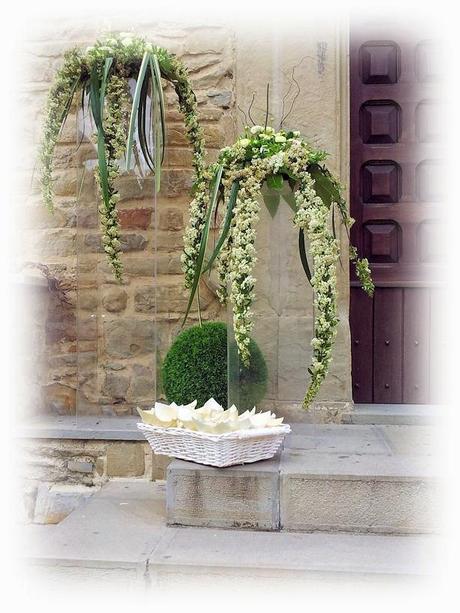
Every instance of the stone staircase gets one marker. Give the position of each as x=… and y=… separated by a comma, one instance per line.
x=119, y=537
x=356, y=478
x=339, y=501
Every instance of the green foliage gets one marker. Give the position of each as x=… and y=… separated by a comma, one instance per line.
x=195, y=368
x=102, y=72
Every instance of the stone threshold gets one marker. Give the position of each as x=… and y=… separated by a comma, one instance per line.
x=95, y=427
x=111, y=428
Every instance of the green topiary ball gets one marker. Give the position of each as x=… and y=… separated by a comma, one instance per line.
x=195, y=368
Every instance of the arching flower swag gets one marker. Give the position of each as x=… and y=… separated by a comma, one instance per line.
x=102, y=74
x=263, y=156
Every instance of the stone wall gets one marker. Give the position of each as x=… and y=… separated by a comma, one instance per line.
x=109, y=332
x=112, y=337
x=318, y=56
x=57, y=475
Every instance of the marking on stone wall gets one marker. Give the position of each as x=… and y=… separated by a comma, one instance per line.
x=321, y=51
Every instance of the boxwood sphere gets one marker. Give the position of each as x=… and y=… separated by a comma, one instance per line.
x=195, y=368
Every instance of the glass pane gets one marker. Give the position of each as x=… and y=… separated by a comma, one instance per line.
x=282, y=323
x=117, y=323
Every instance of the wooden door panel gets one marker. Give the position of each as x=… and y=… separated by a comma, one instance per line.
x=416, y=323
x=388, y=345
x=362, y=334
x=396, y=144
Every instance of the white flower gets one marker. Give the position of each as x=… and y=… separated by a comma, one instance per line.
x=279, y=138
x=256, y=129
x=244, y=142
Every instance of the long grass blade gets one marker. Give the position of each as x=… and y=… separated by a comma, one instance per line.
x=142, y=125
x=105, y=75
x=135, y=107
x=66, y=110
x=155, y=67
x=95, y=102
x=204, y=239
x=303, y=255
x=226, y=227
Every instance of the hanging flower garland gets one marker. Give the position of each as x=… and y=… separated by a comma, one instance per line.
x=263, y=156
x=102, y=74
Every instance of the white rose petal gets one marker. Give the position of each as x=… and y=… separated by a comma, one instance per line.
x=166, y=412
x=260, y=420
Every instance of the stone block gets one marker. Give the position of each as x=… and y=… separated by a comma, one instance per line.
x=220, y=98
x=115, y=385
x=133, y=219
x=357, y=493
x=60, y=399
x=125, y=339
x=233, y=497
x=54, y=503
x=125, y=460
x=160, y=465
x=115, y=300
x=80, y=465
x=171, y=219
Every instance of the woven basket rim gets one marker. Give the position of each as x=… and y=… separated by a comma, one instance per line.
x=235, y=435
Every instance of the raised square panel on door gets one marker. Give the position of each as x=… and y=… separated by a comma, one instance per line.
x=380, y=182
x=429, y=126
x=428, y=181
x=379, y=62
x=431, y=243
x=379, y=122
x=382, y=242
x=428, y=62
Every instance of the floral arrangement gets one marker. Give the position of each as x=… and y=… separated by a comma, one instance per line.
x=210, y=418
x=262, y=156
x=102, y=73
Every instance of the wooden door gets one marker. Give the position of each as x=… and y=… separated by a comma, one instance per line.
x=395, y=198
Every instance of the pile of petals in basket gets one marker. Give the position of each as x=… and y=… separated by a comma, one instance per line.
x=211, y=417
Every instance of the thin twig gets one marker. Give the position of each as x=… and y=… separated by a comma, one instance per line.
x=283, y=119
x=244, y=114
x=250, y=107
x=268, y=105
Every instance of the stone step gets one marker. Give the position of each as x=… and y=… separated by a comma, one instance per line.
x=395, y=414
x=378, y=479
x=234, y=497
x=120, y=537
x=358, y=493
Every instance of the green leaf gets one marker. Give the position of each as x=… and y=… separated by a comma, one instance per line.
x=271, y=199
x=105, y=75
x=68, y=104
x=155, y=67
x=141, y=126
x=288, y=195
x=303, y=255
x=226, y=227
x=275, y=181
x=135, y=108
x=94, y=97
x=324, y=185
x=95, y=102
x=204, y=239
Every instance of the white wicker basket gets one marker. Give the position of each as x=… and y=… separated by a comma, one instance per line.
x=240, y=447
